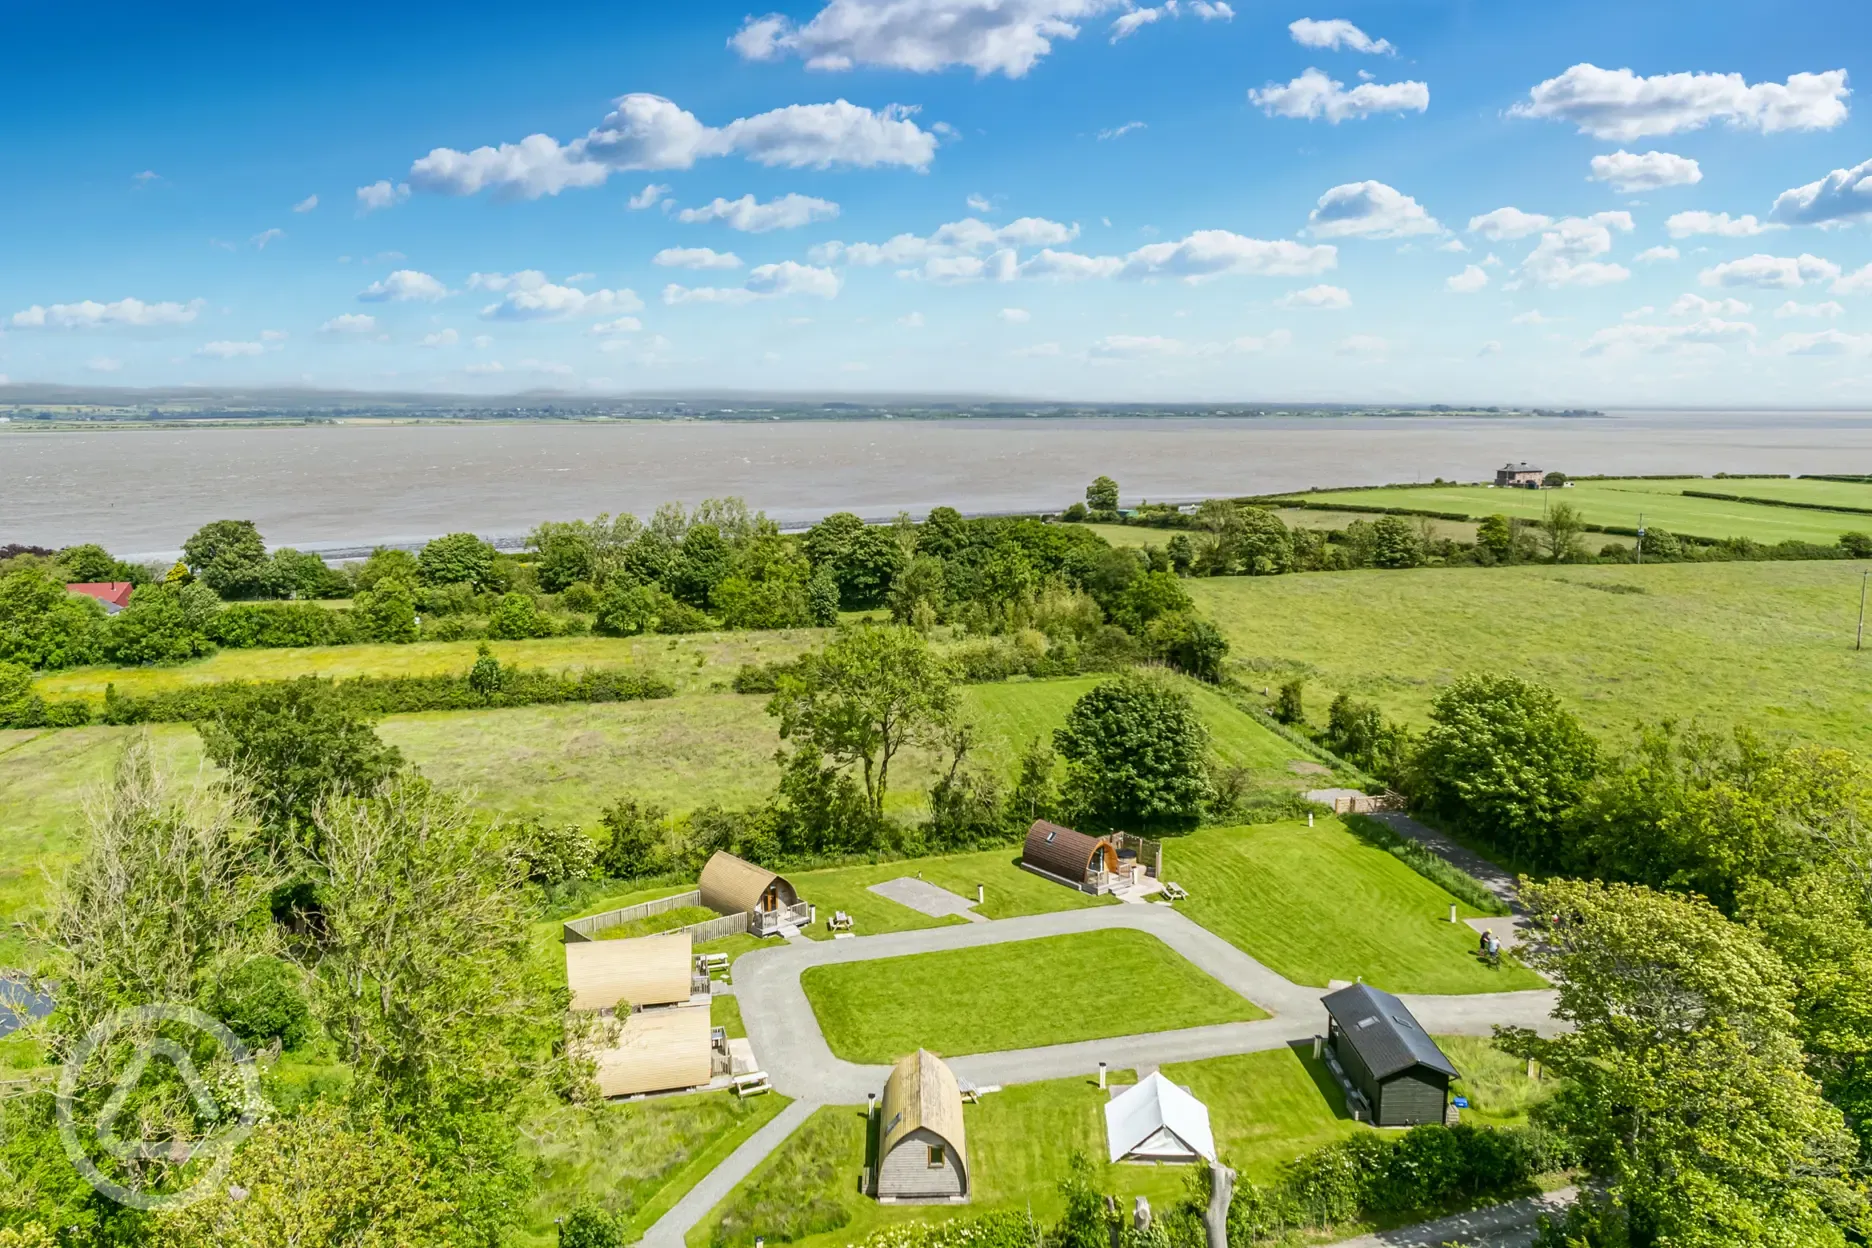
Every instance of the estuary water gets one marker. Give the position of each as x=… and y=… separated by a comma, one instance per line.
x=339, y=488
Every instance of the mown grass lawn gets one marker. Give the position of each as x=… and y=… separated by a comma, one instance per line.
x=1769, y=645
x=1009, y=891
x=1317, y=904
x=1024, y=994
x=637, y=1158
x=1662, y=504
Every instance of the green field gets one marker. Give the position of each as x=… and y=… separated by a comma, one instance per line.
x=1661, y=503
x=694, y=662
x=1023, y=994
x=1264, y=1108
x=1764, y=644
x=1317, y=904
x=1008, y=890
x=636, y=1158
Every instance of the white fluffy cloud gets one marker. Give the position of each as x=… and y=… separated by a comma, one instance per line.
x=1128, y=22
x=649, y=132
x=1829, y=308
x=1629, y=172
x=121, y=313
x=988, y=36
x=1858, y=282
x=1842, y=196
x=647, y=198
x=307, y=204
x=1632, y=337
x=381, y=194
x=1314, y=95
x=1322, y=296
x=1825, y=342
x=623, y=325
x=229, y=350
x=1721, y=224
x=1207, y=254
x=1335, y=34
x=349, y=323
x=1369, y=210
x=1468, y=282
x=1654, y=255
x=1116, y=132
x=1618, y=104
x=441, y=338
x=529, y=296
x=696, y=258
x=967, y=237
x=770, y=281
x=1568, y=252
x=404, y=286
x=1068, y=266
x=1505, y=224
x=1765, y=272
x=753, y=217
x=1697, y=305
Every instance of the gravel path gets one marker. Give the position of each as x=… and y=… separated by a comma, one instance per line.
x=1507, y=1225
x=1496, y=879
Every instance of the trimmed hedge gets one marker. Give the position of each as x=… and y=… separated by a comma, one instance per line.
x=394, y=695
x=36, y=712
x=1776, y=502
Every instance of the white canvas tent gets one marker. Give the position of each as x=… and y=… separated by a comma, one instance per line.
x=1157, y=1121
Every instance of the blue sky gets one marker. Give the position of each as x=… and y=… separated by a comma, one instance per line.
x=1558, y=204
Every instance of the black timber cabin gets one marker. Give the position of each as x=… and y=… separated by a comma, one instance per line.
x=1388, y=1057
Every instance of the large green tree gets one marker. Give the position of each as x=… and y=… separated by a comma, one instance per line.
x=858, y=702
x=456, y=559
x=291, y=748
x=163, y=623
x=42, y=626
x=229, y=557
x=1136, y=754
x=1685, y=1084
x=1505, y=758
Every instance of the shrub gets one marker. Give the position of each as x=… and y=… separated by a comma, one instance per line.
x=589, y=1225
x=262, y=1000
x=163, y=623
x=248, y=625
x=517, y=617
x=386, y=612
x=551, y=854
x=635, y=833
x=1290, y=704
x=1188, y=643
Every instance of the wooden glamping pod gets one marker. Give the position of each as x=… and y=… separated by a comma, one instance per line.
x=650, y=970
x=730, y=885
x=663, y=1042
x=1386, y=1057
x=923, y=1154
x=1070, y=857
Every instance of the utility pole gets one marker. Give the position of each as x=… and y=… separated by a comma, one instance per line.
x=1859, y=641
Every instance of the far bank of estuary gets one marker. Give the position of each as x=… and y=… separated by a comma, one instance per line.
x=329, y=487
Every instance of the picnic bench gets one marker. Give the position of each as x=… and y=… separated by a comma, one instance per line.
x=751, y=1084
x=839, y=922
x=1173, y=891
x=709, y=963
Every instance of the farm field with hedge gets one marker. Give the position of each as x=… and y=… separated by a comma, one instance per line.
x=1662, y=503
x=1764, y=644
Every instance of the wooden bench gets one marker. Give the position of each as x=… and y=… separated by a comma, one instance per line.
x=839, y=922
x=709, y=963
x=1173, y=891
x=751, y=1084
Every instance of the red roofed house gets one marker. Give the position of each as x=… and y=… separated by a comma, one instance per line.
x=115, y=595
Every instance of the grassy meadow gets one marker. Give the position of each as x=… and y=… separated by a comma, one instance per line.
x=1019, y=995
x=1318, y=904
x=1662, y=504
x=1764, y=644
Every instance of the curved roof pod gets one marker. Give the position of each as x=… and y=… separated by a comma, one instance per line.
x=1062, y=852
x=922, y=1094
x=646, y=970
x=731, y=885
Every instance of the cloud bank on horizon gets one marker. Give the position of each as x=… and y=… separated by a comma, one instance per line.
x=1083, y=198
